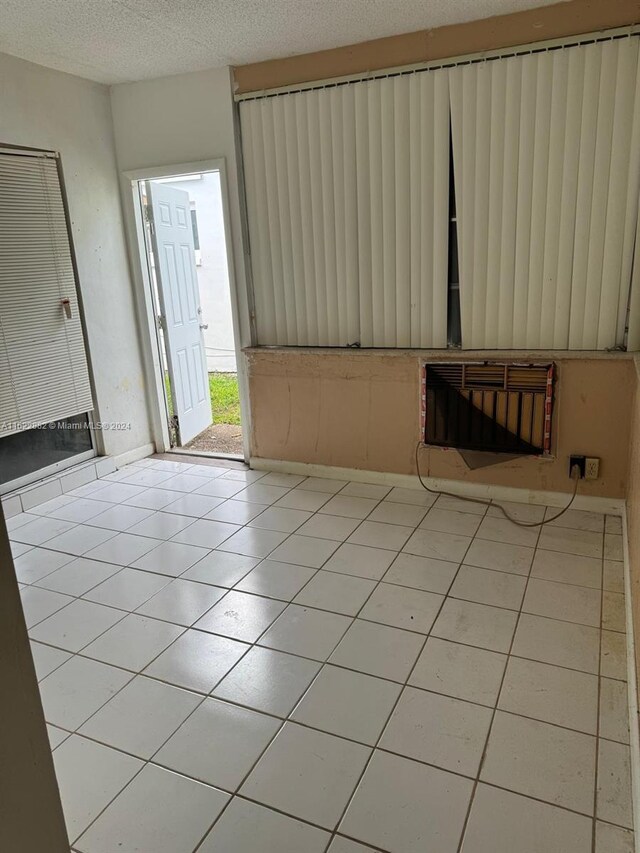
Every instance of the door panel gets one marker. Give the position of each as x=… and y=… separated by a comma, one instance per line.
x=180, y=305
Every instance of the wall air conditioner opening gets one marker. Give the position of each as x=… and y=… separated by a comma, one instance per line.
x=489, y=406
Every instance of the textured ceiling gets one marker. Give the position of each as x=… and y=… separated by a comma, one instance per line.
x=112, y=41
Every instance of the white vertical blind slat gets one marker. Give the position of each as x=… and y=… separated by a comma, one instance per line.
x=273, y=222
x=302, y=183
x=283, y=223
x=327, y=306
x=479, y=154
x=293, y=166
x=338, y=176
x=507, y=254
x=496, y=177
x=384, y=318
x=420, y=224
x=545, y=318
x=364, y=217
x=370, y=173
x=350, y=295
x=317, y=218
x=402, y=243
x=545, y=136
x=600, y=199
x=561, y=306
x=584, y=194
x=523, y=192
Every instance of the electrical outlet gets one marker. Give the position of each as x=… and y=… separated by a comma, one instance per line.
x=580, y=461
x=591, y=468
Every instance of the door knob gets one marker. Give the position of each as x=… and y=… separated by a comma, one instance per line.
x=204, y=326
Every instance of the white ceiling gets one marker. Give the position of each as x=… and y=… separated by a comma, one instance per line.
x=112, y=41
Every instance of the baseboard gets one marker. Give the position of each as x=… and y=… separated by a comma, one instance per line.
x=632, y=689
x=611, y=506
x=56, y=485
x=134, y=455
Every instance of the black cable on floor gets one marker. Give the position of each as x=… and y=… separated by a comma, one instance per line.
x=575, y=474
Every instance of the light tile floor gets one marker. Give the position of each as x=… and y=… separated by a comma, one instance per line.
x=239, y=662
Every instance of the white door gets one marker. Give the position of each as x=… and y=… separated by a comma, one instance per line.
x=179, y=297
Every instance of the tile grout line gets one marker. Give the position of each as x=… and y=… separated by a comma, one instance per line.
x=310, y=685
x=192, y=626
x=146, y=762
x=284, y=721
x=495, y=707
x=203, y=700
x=160, y=541
x=325, y=662
x=599, y=701
x=400, y=694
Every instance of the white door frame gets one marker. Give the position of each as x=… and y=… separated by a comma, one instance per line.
x=150, y=340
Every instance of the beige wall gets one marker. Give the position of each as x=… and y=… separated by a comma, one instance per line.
x=633, y=508
x=361, y=410
x=31, y=819
x=525, y=27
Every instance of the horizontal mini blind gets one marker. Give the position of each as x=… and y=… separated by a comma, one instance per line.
x=347, y=202
x=43, y=366
x=546, y=152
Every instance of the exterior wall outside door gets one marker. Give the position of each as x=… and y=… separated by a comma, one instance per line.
x=213, y=272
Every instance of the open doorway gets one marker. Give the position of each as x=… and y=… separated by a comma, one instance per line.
x=186, y=253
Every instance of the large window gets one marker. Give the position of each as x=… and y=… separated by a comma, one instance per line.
x=44, y=377
x=491, y=205
x=56, y=443
x=348, y=198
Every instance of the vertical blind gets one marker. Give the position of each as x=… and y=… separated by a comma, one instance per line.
x=546, y=151
x=43, y=366
x=347, y=199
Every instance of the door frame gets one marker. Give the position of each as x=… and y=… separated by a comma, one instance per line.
x=150, y=337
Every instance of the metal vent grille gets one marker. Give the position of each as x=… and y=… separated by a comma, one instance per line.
x=495, y=407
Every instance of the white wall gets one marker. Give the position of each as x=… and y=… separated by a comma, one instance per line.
x=213, y=271
x=184, y=119
x=40, y=108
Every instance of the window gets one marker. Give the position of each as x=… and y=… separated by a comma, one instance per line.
x=492, y=204
x=546, y=151
x=196, y=237
x=45, y=391
x=23, y=453
x=347, y=199
x=43, y=366
x=194, y=228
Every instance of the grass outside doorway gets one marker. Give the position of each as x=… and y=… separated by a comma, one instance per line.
x=225, y=399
